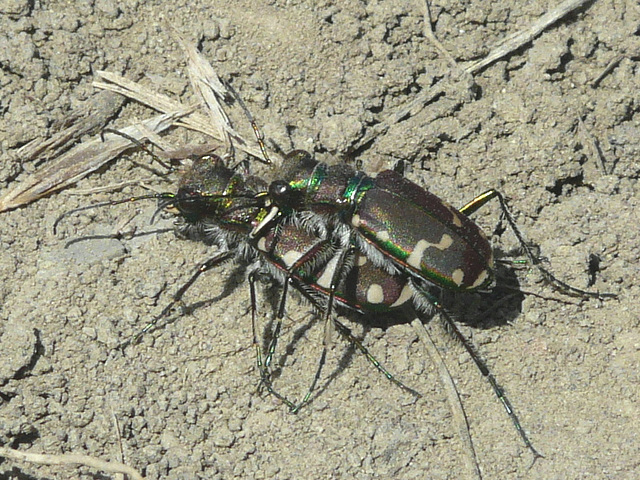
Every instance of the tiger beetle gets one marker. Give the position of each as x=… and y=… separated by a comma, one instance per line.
x=396, y=222
x=405, y=231
x=220, y=207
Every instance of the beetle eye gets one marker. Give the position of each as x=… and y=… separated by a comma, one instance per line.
x=186, y=200
x=279, y=189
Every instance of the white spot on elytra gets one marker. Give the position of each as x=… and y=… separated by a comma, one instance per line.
x=361, y=261
x=384, y=236
x=291, y=257
x=327, y=275
x=355, y=221
x=445, y=242
x=481, y=279
x=262, y=244
x=405, y=296
x=375, y=294
x=456, y=217
x=418, y=251
x=457, y=276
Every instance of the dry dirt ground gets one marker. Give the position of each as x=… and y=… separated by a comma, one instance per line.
x=555, y=126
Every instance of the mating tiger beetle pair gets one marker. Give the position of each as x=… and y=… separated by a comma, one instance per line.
x=344, y=240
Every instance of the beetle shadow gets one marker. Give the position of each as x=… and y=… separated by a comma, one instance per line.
x=484, y=310
x=500, y=306
x=233, y=279
x=335, y=367
x=117, y=236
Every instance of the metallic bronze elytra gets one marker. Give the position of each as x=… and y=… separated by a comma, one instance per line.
x=311, y=259
x=425, y=235
x=395, y=222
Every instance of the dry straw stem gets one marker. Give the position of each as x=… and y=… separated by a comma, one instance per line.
x=89, y=119
x=453, y=396
x=206, y=83
x=507, y=46
x=93, y=154
x=515, y=41
x=71, y=459
x=78, y=162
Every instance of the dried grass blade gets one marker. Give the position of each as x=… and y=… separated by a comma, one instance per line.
x=79, y=162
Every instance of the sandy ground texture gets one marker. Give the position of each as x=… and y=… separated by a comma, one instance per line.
x=555, y=126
